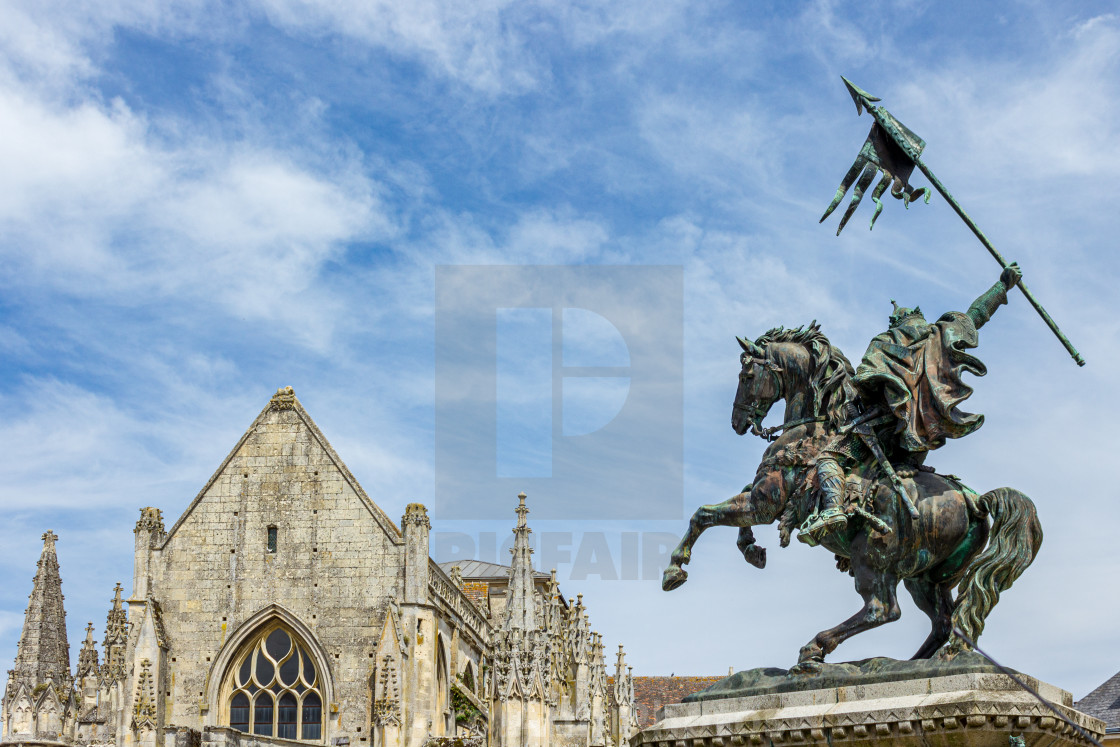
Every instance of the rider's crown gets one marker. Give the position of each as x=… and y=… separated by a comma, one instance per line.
x=902, y=314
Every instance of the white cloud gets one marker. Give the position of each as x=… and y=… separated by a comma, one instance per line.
x=1054, y=119
x=711, y=141
x=252, y=236
x=95, y=205
x=466, y=41
x=73, y=448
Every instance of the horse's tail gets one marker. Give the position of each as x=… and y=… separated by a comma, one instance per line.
x=1013, y=542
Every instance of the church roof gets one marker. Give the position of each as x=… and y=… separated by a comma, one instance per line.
x=1104, y=702
x=650, y=693
x=480, y=569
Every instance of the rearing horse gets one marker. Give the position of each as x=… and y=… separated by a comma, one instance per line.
x=950, y=543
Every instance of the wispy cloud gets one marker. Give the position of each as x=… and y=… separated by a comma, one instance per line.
x=177, y=246
x=94, y=208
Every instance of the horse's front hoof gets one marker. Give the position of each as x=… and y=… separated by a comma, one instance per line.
x=755, y=555
x=810, y=659
x=673, y=577
x=807, y=667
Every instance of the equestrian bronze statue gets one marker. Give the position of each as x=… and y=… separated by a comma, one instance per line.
x=846, y=471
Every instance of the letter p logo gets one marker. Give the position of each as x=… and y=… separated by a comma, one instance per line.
x=566, y=382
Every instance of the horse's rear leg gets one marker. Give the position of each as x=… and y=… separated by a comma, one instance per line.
x=936, y=600
x=733, y=512
x=880, y=605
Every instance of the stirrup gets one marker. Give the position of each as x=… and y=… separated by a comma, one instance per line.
x=803, y=536
x=818, y=525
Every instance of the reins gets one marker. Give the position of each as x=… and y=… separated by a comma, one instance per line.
x=771, y=434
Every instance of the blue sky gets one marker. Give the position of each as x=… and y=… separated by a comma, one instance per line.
x=200, y=203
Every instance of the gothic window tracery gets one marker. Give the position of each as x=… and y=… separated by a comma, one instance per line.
x=23, y=718
x=274, y=689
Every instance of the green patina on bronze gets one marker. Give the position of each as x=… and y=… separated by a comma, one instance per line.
x=773, y=681
x=894, y=149
x=846, y=470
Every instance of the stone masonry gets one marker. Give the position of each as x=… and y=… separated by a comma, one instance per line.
x=285, y=607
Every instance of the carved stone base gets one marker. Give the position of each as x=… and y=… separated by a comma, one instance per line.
x=961, y=710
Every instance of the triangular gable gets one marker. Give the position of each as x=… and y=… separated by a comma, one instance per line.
x=391, y=641
x=148, y=632
x=15, y=693
x=514, y=687
x=49, y=696
x=285, y=399
x=537, y=689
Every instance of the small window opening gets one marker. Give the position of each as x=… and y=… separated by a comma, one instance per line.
x=272, y=539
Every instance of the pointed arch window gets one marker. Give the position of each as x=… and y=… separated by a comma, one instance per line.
x=443, y=696
x=273, y=688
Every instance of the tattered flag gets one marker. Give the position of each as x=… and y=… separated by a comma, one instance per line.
x=880, y=152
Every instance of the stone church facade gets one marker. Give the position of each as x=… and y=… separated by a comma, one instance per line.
x=285, y=607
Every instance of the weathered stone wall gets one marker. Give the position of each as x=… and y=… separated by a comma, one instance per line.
x=338, y=562
x=400, y=645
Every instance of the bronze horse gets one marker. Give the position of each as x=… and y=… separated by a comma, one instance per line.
x=950, y=543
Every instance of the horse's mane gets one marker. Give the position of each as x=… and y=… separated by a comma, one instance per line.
x=830, y=372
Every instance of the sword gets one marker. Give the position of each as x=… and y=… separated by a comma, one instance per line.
x=863, y=430
x=895, y=150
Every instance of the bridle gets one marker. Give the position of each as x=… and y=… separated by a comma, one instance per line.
x=770, y=434
x=752, y=411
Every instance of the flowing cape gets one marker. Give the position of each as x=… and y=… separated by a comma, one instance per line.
x=916, y=371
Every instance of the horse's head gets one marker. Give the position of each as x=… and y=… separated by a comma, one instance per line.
x=760, y=386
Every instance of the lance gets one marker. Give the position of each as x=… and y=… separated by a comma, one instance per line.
x=894, y=149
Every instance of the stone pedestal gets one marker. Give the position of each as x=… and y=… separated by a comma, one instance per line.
x=959, y=710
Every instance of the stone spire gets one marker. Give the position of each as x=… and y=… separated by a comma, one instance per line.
x=623, y=700
x=44, y=653
x=88, y=676
x=521, y=609
x=87, y=657
x=620, y=670
x=116, y=638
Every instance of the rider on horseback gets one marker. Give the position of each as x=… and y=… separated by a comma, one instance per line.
x=911, y=376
